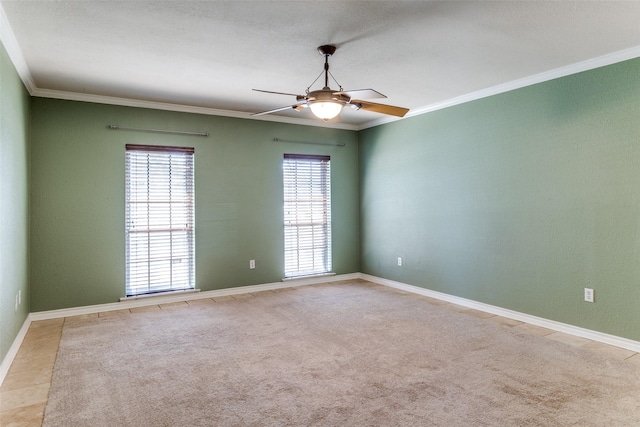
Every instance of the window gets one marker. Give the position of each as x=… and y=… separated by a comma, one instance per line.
x=159, y=219
x=307, y=215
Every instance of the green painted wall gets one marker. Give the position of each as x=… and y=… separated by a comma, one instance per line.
x=519, y=200
x=14, y=202
x=77, y=245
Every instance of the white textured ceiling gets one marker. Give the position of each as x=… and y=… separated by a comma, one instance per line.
x=210, y=54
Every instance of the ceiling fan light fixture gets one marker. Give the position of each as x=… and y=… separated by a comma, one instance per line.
x=325, y=110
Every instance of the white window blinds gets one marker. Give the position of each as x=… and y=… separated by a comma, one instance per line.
x=307, y=215
x=159, y=219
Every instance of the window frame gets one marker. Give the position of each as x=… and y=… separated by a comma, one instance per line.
x=165, y=238
x=307, y=215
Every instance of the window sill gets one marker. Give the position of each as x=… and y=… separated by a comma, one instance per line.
x=309, y=276
x=159, y=294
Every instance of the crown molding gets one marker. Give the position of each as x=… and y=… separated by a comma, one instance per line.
x=15, y=54
x=578, y=67
x=154, y=105
x=8, y=39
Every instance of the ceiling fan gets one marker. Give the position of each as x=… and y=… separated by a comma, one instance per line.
x=327, y=103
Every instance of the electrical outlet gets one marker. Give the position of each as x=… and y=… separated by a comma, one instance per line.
x=588, y=294
x=20, y=297
x=399, y=261
x=252, y=264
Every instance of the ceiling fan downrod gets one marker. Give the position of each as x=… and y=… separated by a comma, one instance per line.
x=326, y=50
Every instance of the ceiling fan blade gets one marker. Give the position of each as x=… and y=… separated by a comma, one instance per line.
x=363, y=93
x=380, y=108
x=280, y=93
x=296, y=107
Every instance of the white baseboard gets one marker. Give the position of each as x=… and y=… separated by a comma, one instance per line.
x=178, y=297
x=13, y=350
x=163, y=299
x=523, y=317
x=154, y=300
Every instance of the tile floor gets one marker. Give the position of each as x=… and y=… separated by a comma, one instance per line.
x=25, y=390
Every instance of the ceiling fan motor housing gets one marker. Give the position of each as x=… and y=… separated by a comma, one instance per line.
x=328, y=94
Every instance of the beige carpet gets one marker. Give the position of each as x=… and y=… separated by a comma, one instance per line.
x=336, y=355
